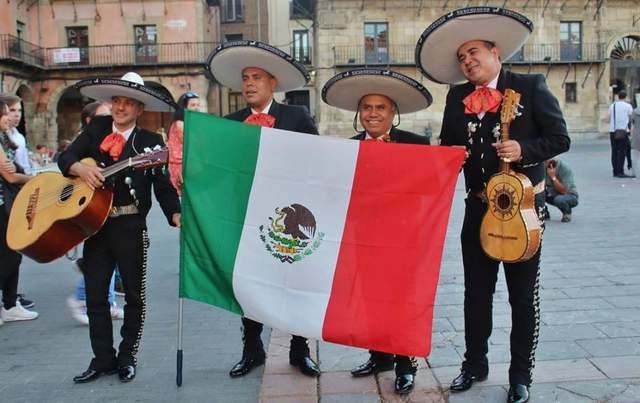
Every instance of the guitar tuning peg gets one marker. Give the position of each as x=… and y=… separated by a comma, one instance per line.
x=128, y=180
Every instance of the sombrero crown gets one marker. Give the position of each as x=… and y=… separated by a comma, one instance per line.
x=131, y=85
x=345, y=90
x=228, y=60
x=436, y=49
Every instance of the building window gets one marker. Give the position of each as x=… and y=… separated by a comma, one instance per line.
x=301, y=9
x=78, y=37
x=146, y=39
x=301, y=50
x=570, y=40
x=376, y=49
x=232, y=11
x=517, y=57
x=300, y=98
x=20, y=29
x=236, y=102
x=570, y=93
x=232, y=37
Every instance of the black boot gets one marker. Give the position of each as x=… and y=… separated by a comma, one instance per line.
x=299, y=357
x=253, y=354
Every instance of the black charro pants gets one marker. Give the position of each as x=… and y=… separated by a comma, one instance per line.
x=404, y=365
x=480, y=276
x=122, y=241
x=253, y=346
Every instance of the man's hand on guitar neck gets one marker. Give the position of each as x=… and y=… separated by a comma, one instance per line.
x=508, y=151
x=91, y=175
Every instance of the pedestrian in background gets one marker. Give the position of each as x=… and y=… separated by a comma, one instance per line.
x=619, y=115
x=191, y=101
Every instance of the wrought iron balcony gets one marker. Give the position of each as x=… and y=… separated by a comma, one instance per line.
x=543, y=53
x=17, y=50
x=404, y=55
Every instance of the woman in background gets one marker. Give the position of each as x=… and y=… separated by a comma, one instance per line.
x=10, y=260
x=189, y=100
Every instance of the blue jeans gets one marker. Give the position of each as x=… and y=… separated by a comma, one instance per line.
x=81, y=295
x=564, y=202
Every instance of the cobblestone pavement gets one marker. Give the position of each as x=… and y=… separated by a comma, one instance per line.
x=589, y=348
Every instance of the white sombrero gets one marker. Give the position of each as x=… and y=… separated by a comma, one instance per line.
x=229, y=59
x=345, y=90
x=437, y=46
x=131, y=86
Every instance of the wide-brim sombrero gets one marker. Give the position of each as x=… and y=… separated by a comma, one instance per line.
x=131, y=86
x=228, y=60
x=345, y=90
x=437, y=46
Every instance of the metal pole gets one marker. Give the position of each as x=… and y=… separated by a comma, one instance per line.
x=179, y=352
x=259, y=24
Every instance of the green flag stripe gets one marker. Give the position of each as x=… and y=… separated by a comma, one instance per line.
x=219, y=162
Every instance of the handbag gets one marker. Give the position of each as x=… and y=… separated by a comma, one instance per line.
x=618, y=134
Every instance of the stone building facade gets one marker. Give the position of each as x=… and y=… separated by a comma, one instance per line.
x=47, y=46
x=587, y=49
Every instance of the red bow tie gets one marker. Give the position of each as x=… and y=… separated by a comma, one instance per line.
x=113, y=144
x=385, y=138
x=261, y=119
x=483, y=99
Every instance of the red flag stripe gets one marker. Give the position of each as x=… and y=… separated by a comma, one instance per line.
x=385, y=282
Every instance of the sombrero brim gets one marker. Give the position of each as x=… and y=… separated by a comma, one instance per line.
x=104, y=89
x=228, y=60
x=436, y=48
x=345, y=90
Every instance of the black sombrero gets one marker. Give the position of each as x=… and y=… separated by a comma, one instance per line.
x=229, y=59
x=436, y=48
x=345, y=90
x=131, y=85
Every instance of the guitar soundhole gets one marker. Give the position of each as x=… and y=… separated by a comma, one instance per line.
x=67, y=191
x=504, y=201
x=82, y=200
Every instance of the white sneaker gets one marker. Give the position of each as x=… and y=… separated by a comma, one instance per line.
x=17, y=313
x=116, y=312
x=78, y=310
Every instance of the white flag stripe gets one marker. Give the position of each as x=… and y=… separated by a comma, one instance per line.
x=294, y=297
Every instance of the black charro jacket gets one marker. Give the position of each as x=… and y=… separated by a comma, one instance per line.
x=540, y=129
x=288, y=117
x=399, y=136
x=87, y=144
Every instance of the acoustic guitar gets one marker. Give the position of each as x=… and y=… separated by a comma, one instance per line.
x=52, y=213
x=510, y=230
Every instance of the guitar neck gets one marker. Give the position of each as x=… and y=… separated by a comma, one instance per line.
x=504, y=136
x=116, y=168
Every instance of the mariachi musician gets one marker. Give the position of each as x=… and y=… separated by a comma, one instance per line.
x=378, y=97
x=123, y=239
x=469, y=44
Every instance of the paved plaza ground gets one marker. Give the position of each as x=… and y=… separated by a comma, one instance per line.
x=589, y=349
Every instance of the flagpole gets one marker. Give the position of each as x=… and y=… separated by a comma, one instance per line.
x=179, y=351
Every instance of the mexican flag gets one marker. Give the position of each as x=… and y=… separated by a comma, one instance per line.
x=332, y=239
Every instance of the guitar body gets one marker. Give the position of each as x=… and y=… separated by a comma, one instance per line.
x=510, y=230
x=52, y=213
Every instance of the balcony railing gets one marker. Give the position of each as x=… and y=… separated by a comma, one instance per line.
x=558, y=53
x=14, y=48
x=106, y=55
x=404, y=55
